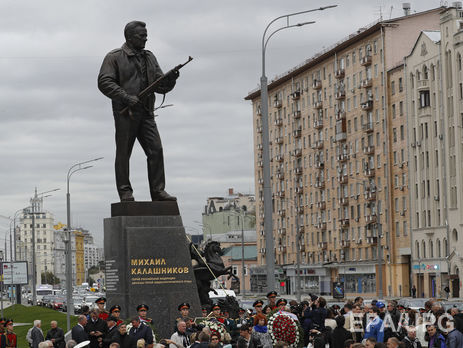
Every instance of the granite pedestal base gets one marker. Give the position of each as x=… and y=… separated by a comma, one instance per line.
x=148, y=261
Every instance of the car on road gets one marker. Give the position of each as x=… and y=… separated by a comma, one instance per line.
x=57, y=303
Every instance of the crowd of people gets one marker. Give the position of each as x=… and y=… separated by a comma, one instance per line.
x=354, y=325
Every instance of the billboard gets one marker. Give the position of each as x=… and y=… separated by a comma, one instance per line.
x=15, y=273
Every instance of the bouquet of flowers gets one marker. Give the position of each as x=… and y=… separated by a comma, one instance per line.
x=284, y=328
x=216, y=327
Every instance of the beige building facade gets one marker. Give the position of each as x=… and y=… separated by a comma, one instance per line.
x=338, y=163
x=434, y=95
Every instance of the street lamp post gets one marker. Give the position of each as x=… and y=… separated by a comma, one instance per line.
x=268, y=223
x=68, y=249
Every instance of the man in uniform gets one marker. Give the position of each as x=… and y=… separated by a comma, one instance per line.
x=11, y=339
x=258, y=304
x=125, y=72
x=101, y=307
x=142, y=315
x=271, y=297
x=115, y=311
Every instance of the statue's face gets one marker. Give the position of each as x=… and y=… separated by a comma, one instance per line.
x=138, y=38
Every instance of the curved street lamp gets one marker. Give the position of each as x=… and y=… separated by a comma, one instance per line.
x=70, y=306
x=268, y=223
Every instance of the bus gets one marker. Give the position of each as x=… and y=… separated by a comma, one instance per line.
x=42, y=290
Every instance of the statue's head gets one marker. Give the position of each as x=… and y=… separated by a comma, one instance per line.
x=136, y=35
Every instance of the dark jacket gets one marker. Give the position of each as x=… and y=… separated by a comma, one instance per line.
x=409, y=344
x=58, y=335
x=110, y=336
x=143, y=331
x=125, y=341
x=454, y=339
x=97, y=325
x=339, y=336
x=79, y=334
x=37, y=337
x=119, y=77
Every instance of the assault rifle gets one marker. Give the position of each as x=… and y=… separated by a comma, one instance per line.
x=150, y=89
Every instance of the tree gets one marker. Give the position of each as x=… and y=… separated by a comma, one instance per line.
x=49, y=278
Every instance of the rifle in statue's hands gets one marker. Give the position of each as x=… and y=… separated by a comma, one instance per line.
x=151, y=88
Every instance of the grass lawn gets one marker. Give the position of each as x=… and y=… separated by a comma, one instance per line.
x=27, y=314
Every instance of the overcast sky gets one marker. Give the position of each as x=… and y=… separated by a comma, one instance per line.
x=52, y=114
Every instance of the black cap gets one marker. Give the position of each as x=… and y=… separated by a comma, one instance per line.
x=183, y=305
x=114, y=307
x=272, y=293
x=101, y=300
x=282, y=300
x=256, y=302
x=143, y=306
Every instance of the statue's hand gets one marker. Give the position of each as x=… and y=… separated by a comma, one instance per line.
x=132, y=100
x=173, y=75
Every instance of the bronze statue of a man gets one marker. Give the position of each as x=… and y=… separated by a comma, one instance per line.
x=125, y=72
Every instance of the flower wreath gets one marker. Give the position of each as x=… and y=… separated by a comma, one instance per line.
x=216, y=327
x=284, y=328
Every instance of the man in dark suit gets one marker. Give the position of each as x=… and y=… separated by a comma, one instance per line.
x=37, y=334
x=78, y=333
x=96, y=328
x=112, y=332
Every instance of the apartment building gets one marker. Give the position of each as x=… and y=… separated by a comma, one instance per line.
x=339, y=171
x=434, y=94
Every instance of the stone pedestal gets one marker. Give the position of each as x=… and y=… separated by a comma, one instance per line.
x=148, y=261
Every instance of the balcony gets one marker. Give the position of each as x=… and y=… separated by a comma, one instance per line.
x=341, y=136
x=260, y=181
x=282, y=248
x=296, y=95
x=370, y=219
x=277, y=103
x=343, y=201
x=297, y=114
x=345, y=243
x=369, y=173
x=297, y=152
x=343, y=157
x=340, y=95
x=317, y=124
x=260, y=163
x=319, y=144
x=319, y=164
x=366, y=60
x=367, y=83
x=344, y=222
x=343, y=179
x=298, y=170
x=321, y=225
x=340, y=115
x=321, y=205
x=368, y=127
x=279, y=140
x=260, y=147
x=279, y=158
x=320, y=184
x=299, y=190
x=368, y=105
x=297, y=133
x=318, y=104
x=280, y=175
x=369, y=195
x=259, y=129
x=422, y=84
x=369, y=150
x=282, y=212
x=300, y=210
x=281, y=194
x=282, y=231
x=316, y=84
x=372, y=240
x=323, y=245
x=302, y=248
x=278, y=122
x=340, y=73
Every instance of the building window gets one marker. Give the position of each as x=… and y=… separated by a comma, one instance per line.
x=424, y=99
